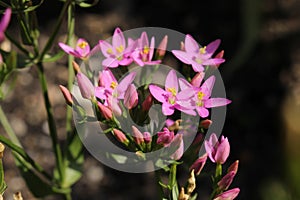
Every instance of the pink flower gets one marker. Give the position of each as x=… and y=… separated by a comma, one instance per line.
x=105, y=111
x=137, y=135
x=130, y=97
x=202, y=95
x=67, y=95
x=120, y=136
x=198, y=165
x=168, y=97
x=82, y=49
x=147, y=137
x=4, y=23
x=86, y=87
x=116, y=53
x=228, y=195
x=217, y=151
x=143, y=54
x=161, y=49
x=198, y=57
x=165, y=137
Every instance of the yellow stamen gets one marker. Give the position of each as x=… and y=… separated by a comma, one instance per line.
x=146, y=49
x=113, y=85
x=202, y=50
x=172, y=90
x=109, y=51
x=120, y=49
x=200, y=95
x=82, y=44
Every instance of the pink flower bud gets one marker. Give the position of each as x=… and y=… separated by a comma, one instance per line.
x=217, y=151
x=147, y=137
x=197, y=79
x=138, y=136
x=205, y=123
x=226, y=181
x=130, y=97
x=198, y=165
x=85, y=85
x=228, y=195
x=67, y=95
x=165, y=137
x=105, y=111
x=161, y=49
x=219, y=55
x=120, y=136
x=178, y=144
x=4, y=23
x=76, y=67
x=146, y=105
x=233, y=167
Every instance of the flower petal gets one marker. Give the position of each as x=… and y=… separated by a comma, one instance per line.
x=184, y=84
x=110, y=62
x=190, y=44
x=212, y=47
x=124, y=84
x=167, y=109
x=182, y=56
x=197, y=79
x=118, y=38
x=105, y=48
x=216, y=102
x=157, y=93
x=208, y=85
x=171, y=80
x=202, y=112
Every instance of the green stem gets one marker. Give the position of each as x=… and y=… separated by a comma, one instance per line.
x=56, y=29
x=8, y=129
x=70, y=42
x=24, y=155
x=51, y=123
x=17, y=44
x=160, y=188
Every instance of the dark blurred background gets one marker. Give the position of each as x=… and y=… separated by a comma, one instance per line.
x=261, y=39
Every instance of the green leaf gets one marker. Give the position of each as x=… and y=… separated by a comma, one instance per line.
x=73, y=161
x=84, y=4
x=175, y=192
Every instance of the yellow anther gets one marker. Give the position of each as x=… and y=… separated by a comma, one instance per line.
x=109, y=51
x=172, y=90
x=82, y=44
x=200, y=95
x=202, y=50
x=113, y=85
x=120, y=49
x=146, y=49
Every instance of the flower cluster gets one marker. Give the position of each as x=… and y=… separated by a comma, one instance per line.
x=114, y=95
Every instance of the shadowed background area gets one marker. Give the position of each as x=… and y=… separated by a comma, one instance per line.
x=261, y=39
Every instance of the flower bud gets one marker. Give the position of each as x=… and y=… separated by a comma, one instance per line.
x=147, y=137
x=228, y=195
x=219, y=55
x=120, y=136
x=165, y=137
x=76, y=67
x=226, y=181
x=138, y=136
x=131, y=97
x=146, y=105
x=205, y=123
x=198, y=165
x=105, y=111
x=161, y=49
x=197, y=79
x=67, y=95
x=85, y=86
x=233, y=167
x=217, y=151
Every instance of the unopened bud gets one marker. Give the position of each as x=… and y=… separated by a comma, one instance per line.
x=76, y=67
x=182, y=46
x=2, y=148
x=67, y=95
x=205, y=123
x=146, y=105
x=198, y=165
x=233, y=167
x=197, y=79
x=137, y=135
x=120, y=136
x=105, y=111
x=147, y=137
x=161, y=49
x=219, y=55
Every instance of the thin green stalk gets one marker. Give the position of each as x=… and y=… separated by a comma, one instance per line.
x=158, y=180
x=17, y=44
x=70, y=42
x=51, y=123
x=56, y=29
x=24, y=155
x=8, y=129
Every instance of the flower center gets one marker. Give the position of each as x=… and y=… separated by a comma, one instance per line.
x=172, y=90
x=146, y=49
x=120, y=49
x=202, y=50
x=109, y=51
x=199, y=60
x=113, y=85
x=82, y=44
x=200, y=96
